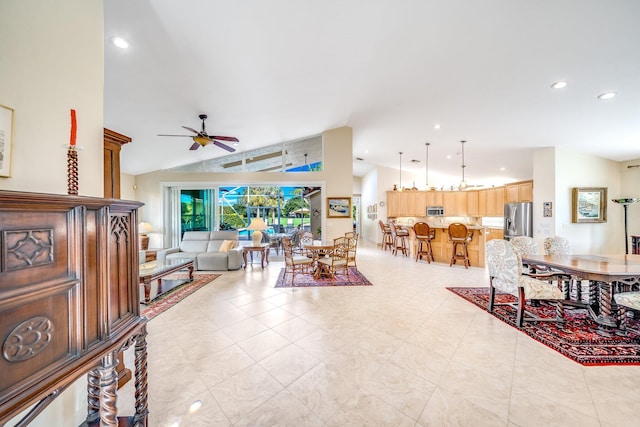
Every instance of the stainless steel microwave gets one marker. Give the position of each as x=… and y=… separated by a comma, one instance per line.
x=435, y=210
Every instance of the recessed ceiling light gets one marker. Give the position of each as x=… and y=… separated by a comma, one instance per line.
x=366, y=151
x=559, y=84
x=503, y=169
x=120, y=42
x=606, y=95
x=448, y=156
x=436, y=126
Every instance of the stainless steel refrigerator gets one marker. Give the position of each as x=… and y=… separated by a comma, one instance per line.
x=518, y=220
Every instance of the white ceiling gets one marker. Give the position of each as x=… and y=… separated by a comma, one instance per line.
x=268, y=71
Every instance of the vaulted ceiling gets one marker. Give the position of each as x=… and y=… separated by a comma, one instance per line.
x=269, y=71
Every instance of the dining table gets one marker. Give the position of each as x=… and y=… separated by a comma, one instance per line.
x=319, y=249
x=607, y=275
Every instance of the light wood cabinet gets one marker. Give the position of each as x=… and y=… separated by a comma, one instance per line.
x=482, y=202
x=472, y=203
x=406, y=203
x=435, y=198
x=495, y=201
x=519, y=192
x=494, y=233
x=442, y=247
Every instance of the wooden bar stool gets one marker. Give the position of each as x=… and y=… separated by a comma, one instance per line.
x=387, y=239
x=399, y=239
x=459, y=236
x=424, y=236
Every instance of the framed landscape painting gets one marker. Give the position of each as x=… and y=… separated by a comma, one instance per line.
x=338, y=207
x=6, y=139
x=589, y=205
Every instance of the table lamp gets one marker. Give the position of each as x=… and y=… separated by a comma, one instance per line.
x=143, y=229
x=257, y=225
x=625, y=204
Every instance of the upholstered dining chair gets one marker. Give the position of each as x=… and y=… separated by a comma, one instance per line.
x=424, y=236
x=295, y=263
x=399, y=236
x=505, y=275
x=459, y=237
x=338, y=260
x=387, y=239
x=556, y=245
x=628, y=303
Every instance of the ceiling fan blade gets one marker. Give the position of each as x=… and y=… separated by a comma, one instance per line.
x=191, y=129
x=162, y=134
x=195, y=146
x=224, y=146
x=225, y=138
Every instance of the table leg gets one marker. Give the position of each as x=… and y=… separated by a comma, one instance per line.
x=191, y=273
x=606, y=322
x=244, y=257
x=267, y=254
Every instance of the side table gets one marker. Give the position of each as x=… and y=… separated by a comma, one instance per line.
x=263, y=249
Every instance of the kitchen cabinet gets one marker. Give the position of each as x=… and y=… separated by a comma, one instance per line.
x=495, y=201
x=519, y=192
x=406, y=203
x=494, y=233
x=435, y=198
x=472, y=203
x=455, y=203
x=442, y=247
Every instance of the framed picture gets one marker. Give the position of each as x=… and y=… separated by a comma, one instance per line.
x=589, y=205
x=338, y=207
x=6, y=139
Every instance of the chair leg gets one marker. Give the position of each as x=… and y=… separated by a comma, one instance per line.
x=492, y=296
x=453, y=253
x=430, y=252
x=520, y=312
x=466, y=255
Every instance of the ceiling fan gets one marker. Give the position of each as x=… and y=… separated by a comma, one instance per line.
x=200, y=139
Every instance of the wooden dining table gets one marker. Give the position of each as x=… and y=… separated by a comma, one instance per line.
x=607, y=274
x=319, y=249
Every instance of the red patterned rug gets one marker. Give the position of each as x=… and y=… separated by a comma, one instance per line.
x=577, y=339
x=307, y=280
x=174, y=296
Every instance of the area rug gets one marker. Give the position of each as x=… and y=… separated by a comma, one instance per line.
x=577, y=339
x=177, y=294
x=307, y=280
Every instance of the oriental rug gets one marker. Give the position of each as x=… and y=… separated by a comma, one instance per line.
x=307, y=280
x=577, y=339
x=165, y=301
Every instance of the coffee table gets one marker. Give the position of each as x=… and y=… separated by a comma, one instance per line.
x=152, y=277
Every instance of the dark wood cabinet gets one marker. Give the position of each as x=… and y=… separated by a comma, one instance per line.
x=635, y=244
x=69, y=302
x=113, y=142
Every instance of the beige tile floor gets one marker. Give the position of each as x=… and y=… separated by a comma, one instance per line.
x=404, y=352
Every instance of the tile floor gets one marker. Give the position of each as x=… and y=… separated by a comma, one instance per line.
x=404, y=352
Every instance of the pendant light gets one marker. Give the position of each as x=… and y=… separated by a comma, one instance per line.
x=463, y=183
x=401, y=171
x=427, y=166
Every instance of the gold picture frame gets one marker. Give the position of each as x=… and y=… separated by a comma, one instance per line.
x=6, y=140
x=589, y=204
x=338, y=207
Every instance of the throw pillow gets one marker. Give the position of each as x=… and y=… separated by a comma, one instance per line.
x=227, y=245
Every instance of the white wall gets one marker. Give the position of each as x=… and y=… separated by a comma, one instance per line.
x=556, y=172
x=51, y=61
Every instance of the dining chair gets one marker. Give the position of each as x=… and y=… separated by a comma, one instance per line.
x=424, y=236
x=504, y=263
x=350, y=234
x=556, y=245
x=337, y=261
x=387, y=240
x=351, y=250
x=399, y=237
x=294, y=263
x=459, y=237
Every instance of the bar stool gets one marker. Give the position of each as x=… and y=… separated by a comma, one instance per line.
x=399, y=237
x=459, y=237
x=387, y=239
x=424, y=236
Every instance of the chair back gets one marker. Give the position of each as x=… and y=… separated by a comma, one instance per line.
x=383, y=227
x=458, y=231
x=350, y=234
x=340, y=248
x=525, y=244
x=422, y=230
x=556, y=245
x=352, y=247
x=306, y=239
x=504, y=264
x=287, y=250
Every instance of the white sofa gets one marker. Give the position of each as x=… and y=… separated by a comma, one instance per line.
x=203, y=247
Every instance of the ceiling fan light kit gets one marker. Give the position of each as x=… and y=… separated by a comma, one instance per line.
x=202, y=138
x=463, y=183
